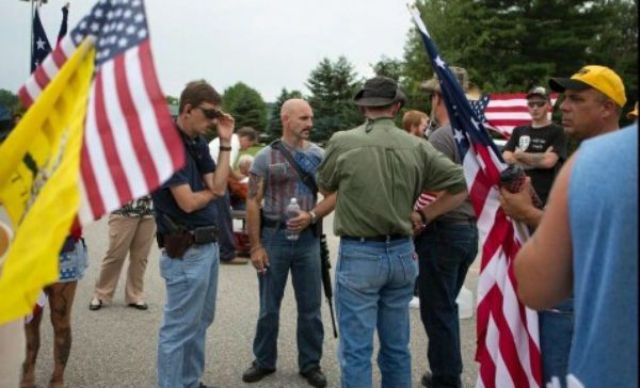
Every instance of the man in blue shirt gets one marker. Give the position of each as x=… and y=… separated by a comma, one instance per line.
x=187, y=233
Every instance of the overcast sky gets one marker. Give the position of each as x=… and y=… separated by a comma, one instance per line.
x=267, y=44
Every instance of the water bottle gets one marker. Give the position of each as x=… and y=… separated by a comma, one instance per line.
x=293, y=209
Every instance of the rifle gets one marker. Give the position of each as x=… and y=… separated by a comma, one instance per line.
x=310, y=182
x=326, y=279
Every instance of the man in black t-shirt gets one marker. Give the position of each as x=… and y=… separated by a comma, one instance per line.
x=540, y=148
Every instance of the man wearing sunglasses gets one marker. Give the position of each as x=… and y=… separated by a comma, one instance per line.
x=541, y=147
x=187, y=235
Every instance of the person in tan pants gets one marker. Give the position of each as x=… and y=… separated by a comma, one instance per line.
x=131, y=229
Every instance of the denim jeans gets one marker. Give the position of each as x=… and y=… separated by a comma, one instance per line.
x=191, y=286
x=225, y=227
x=374, y=284
x=445, y=252
x=302, y=258
x=556, y=333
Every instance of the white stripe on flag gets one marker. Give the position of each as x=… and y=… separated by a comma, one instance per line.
x=96, y=158
x=85, y=214
x=121, y=133
x=152, y=135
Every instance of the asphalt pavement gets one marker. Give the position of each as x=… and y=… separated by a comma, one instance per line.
x=116, y=346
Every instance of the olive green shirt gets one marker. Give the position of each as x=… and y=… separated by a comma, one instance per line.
x=378, y=171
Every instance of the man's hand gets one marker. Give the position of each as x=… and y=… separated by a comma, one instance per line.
x=299, y=222
x=519, y=206
x=416, y=223
x=260, y=259
x=225, y=124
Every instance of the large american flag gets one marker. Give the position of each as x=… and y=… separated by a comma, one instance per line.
x=130, y=143
x=505, y=111
x=508, y=346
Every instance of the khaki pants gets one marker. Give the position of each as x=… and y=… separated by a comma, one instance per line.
x=12, y=352
x=126, y=234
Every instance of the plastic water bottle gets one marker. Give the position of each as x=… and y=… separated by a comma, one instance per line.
x=465, y=303
x=293, y=209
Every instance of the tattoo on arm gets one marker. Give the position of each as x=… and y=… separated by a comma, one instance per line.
x=255, y=186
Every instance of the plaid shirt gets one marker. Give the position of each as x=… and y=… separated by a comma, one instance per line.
x=140, y=207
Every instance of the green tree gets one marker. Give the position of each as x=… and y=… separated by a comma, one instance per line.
x=388, y=67
x=10, y=100
x=274, y=126
x=511, y=45
x=246, y=105
x=332, y=86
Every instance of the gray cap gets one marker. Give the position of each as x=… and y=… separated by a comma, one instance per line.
x=379, y=91
x=538, y=91
x=433, y=85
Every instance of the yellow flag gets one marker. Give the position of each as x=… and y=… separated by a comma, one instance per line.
x=39, y=173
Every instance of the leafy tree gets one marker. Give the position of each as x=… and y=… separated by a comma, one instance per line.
x=274, y=126
x=332, y=86
x=246, y=105
x=511, y=45
x=388, y=67
x=10, y=100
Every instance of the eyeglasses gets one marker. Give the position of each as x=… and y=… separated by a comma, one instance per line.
x=211, y=113
x=534, y=104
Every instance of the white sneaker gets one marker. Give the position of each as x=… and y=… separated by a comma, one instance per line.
x=414, y=303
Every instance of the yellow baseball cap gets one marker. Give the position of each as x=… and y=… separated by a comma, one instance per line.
x=601, y=78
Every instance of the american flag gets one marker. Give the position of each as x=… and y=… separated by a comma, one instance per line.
x=40, y=46
x=505, y=111
x=130, y=143
x=508, y=346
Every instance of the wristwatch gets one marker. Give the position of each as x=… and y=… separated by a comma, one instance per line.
x=225, y=148
x=314, y=216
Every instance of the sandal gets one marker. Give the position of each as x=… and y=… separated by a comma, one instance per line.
x=96, y=304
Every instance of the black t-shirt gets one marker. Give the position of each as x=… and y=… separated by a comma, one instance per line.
x=198, y=163
x=537, y=140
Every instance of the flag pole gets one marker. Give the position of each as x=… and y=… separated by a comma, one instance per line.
x=31, y=34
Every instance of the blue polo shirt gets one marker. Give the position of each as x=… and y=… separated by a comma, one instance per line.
x=198, y=163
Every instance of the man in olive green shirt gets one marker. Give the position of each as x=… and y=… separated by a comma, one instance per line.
x=378, y=171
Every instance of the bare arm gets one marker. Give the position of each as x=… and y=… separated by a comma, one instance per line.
x=546, y=159
x=543, y=267
x=259, y=257
x=508, y=157
x=217, y=182
x=444, y=203
x=190, y=201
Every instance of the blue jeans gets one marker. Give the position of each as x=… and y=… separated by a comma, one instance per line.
x=302, y=257
x=374, y=284
x=191, y=286
x=225, y=227
x=556, y=333
x=445, y=252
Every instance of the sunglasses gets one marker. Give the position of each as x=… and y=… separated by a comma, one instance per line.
x=211, y=113
x=534, y=104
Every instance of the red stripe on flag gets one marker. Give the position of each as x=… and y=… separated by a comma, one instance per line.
x=25, y=97
x=94, y=199
x=167, y=128
x=41, y=77
x=111, y=152
x=58, y=56
x=130, y=114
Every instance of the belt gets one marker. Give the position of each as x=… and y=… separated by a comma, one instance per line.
x=380, y=238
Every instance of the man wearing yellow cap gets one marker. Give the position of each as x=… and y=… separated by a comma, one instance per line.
x=592, y=104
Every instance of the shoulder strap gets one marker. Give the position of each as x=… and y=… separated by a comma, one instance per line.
x=305, y=177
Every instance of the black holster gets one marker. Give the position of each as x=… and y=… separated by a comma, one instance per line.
x=175, y=244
